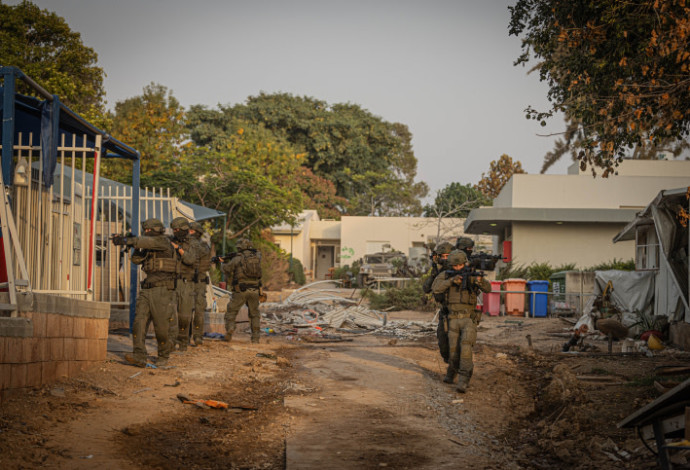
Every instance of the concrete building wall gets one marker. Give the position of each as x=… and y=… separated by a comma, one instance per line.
x=585, y=192
x=52, y=338
x=585, y=245
x=671, y=168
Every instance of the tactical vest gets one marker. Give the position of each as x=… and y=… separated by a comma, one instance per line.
x=456, y=295
x=157, y=262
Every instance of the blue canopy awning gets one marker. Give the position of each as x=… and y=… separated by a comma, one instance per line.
x=51, y=120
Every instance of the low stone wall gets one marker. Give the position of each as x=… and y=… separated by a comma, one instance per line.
x=53, y=337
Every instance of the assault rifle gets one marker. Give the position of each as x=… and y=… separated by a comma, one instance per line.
x=483, y=261
x=466, y=273
x=120, y=239
x=223, y=258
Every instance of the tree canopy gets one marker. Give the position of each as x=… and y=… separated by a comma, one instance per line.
x=500, y=172
x=362, y=155
x=617, y=70
x=44, y=47
x=456, y=200
x=154, y=124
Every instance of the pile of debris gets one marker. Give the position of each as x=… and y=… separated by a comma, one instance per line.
x=319, y=309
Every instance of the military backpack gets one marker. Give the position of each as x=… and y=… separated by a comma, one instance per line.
x=251, y=264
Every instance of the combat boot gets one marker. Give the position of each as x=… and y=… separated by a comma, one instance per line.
x=228, y=336
x=450, y=375
x=134, y=361
x=255, y=339
x=463, y=383
x=162, y=362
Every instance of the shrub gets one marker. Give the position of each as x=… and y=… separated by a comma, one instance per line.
x=410, y=297
x=296, y=272
x=620, y=265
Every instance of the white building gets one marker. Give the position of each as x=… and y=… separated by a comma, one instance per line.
x=323, y=244
x=573, y=218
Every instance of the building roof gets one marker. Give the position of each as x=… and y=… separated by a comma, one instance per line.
x=493, y=220
x=645, y=216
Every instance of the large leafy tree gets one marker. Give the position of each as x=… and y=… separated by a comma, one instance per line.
x=154, y=124
x=500, y=172
x=619, y=71
x=252, y=177
x=339, y=142
x=42, y=44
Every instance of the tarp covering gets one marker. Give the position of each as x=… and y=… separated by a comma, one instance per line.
x=633, y=292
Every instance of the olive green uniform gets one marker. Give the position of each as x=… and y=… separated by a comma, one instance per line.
x=462, y=322
x=186, y=290
x=202, y=280
x=156, y=301
x=245, y=290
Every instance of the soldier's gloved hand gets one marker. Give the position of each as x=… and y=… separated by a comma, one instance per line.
x=457, y=280
x=119, y=240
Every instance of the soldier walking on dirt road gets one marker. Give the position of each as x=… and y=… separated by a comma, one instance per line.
x=244, y=278
x=460, y=286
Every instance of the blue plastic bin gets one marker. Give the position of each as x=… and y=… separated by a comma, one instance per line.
x=538, y=303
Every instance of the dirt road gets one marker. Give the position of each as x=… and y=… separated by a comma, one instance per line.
x=372, y=402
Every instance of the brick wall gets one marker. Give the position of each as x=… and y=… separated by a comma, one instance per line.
x=60, y=338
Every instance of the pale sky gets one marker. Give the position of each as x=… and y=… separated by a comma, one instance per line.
x=442, y=67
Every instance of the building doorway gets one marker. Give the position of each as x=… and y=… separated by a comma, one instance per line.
x=325, y=259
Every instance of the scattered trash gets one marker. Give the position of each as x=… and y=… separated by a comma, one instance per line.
x=176, y=384
x=57, y=392
x=455, y=402
x=87, y=457
x=142, y=390
x=135, y=375
x=151, y=366
x=215, y=404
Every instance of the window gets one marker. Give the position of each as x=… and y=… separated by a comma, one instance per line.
x=646, y=248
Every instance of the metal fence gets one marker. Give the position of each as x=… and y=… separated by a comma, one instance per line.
x=64, y=230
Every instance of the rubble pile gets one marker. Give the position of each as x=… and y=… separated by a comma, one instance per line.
x=316, y=309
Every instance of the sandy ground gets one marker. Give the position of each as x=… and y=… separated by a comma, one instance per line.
x=365, y=402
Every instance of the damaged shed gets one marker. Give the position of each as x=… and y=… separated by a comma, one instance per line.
x=660, y=232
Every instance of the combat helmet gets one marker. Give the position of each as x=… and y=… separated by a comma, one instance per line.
x=457, y=257
x=154, y=225
x=443, y=248
x=463, y=243
x=179, y=223
x=197, y=227
x=244, y=244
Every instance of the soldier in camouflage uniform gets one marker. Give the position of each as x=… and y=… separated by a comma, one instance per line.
x=156, y=301
x=461, y=297
x=465, y=244
x=188, y=262
x=245, y=287
x=440, y=264
x=202, y=281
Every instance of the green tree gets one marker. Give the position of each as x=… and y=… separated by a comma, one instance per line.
x=154, y=124
x=44, y=47
x=319, y=193
x=454, y=201
x=500, y=172
x=252, y=177
x=338, y=141
x=617, y=70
